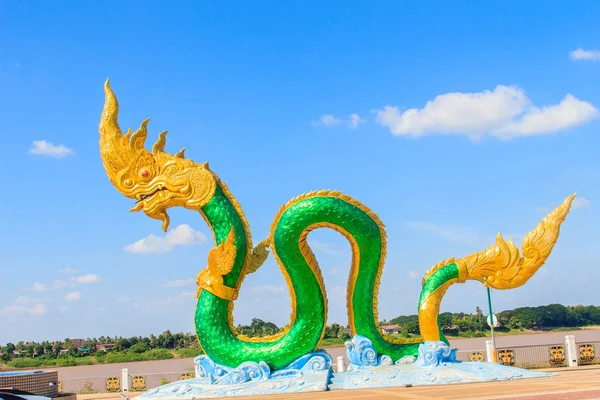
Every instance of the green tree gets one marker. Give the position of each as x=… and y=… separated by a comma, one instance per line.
x=139, y=347
x=410, y=327
x=445, y=320
x=38, y=350
x=153, y=341
x=554, y=315
x=165, y=340
x=123, y=344
x=48, y=348
x=9, y=348
x=480, y=320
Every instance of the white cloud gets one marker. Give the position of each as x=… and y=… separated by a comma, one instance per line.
x=268, y=289
x=337, y=294
x=44, y=148
x=354, y=121
x=330, y=121
x=29, y=300
x=568, y=113
x=38, y=287
x=63, y=309
x=183, y=235
x=327, y=120
x=413, y=274
x=165, y=305
x=581, y=54
x=123, y=300
x=73, y=296
x=67, y=271
x=86, y=279
x=505, y=113
x=58, y=284
x=323, y=247
x=179, y=283
x=460, y=235
x=580, y=202
x=21, y=309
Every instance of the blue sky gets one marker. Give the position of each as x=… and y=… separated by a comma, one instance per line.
x=453, y=121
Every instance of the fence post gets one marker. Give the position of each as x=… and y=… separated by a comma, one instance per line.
x=571, y=350
x=340, y=364
x=125, y=380
x=489, y=351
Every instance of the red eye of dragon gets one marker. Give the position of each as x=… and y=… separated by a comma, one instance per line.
x=145, y=173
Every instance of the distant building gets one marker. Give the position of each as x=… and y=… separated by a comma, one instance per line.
x=390, y=329
x=77, y=342
x=105, y=347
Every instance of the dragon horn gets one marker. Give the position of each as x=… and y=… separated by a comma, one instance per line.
x=114, y=147
x=109, y=127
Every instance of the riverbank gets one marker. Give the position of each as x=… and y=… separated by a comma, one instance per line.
x=100, y=358
x=186, y=364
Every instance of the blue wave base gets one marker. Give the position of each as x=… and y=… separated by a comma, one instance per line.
x=309, y=373
x=435, y=365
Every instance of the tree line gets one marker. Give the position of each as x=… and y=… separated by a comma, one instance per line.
x=77, y=347
x=547, y=317
x=452, y=324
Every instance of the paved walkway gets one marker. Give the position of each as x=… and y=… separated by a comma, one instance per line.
x=581, y=383
x=570, y=384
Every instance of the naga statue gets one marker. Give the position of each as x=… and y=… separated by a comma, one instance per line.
x=158, y=181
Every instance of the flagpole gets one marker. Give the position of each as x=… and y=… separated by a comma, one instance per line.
x=489, y=296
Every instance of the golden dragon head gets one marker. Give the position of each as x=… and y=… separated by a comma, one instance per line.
x=157, y=180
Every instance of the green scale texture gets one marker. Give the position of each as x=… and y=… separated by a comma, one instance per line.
x=212, y=328
x=437, y=279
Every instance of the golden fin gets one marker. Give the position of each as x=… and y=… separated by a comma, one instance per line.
x=501, y=267
x=159, y=146
x=222, y=257
x=258, y=257
x=180, y=153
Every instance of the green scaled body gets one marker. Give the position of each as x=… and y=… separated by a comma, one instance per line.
x=304, y=334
